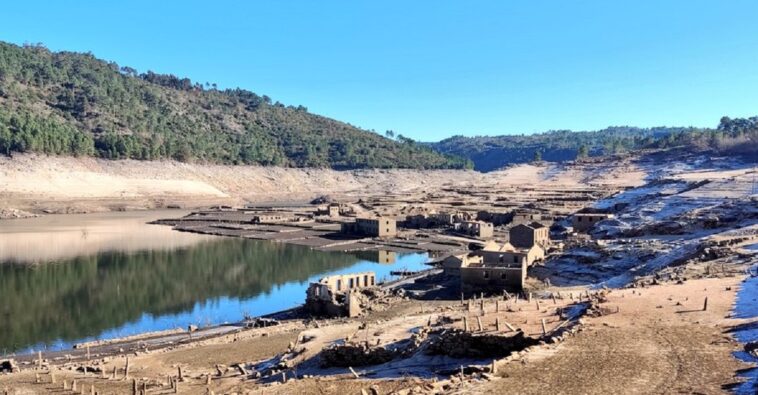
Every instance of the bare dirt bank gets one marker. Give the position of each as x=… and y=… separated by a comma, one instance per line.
x=39, y=183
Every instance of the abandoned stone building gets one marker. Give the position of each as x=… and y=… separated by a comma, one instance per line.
x=334, y=295
x=372, y=227
x=452, y=265
x=504, y=256
x=493, y=277
x=442, y=219
x=492, y=269
x=333, y=210
x=582, y=222
x=496, y=218
x=271, y=217
x=478, y=229
x=436, y=220
x=525, y=217
x=493, y=252
x=514, y=217
x=417, y=221
x=529, y=235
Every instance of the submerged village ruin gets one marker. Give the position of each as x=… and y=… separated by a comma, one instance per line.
x=522, y=278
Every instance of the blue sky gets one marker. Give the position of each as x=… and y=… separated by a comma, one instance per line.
x=431, y=69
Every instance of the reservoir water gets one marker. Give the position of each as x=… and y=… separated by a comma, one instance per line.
x=67, y=279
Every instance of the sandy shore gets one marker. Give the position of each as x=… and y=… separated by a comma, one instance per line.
x=38, y=183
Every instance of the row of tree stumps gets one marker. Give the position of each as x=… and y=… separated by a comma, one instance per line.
x=78, y=386
x=511, y=301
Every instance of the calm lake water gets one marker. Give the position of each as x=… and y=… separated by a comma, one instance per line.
x=66, y=279
x=747, y=307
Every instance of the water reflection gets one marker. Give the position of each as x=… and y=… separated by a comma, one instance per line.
x=125, y=291
x=56, y=237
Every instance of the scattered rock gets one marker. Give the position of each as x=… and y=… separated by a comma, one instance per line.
x=8, y=366
x=752, y=348
x=459, y=344
x=355, y=355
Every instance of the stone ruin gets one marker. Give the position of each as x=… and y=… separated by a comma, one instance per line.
x=260, y=322
x=348, y=355
x=461, y=344
x=452, y=343
x=340, y=295
x=8, y=366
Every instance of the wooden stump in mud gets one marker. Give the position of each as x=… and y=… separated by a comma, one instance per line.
x=126, y=369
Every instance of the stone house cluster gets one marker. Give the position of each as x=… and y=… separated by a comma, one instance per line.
x=516, y=217
x=463, y=223
x=436, y=220
x=496, y=267
x=478, y=229
x=334, y=210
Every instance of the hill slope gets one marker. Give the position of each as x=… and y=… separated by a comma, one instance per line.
x=75, y=104
x=493, y=152
x=732, y=136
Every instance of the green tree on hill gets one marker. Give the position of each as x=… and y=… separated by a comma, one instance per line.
x=583, y=152
x=67, y=103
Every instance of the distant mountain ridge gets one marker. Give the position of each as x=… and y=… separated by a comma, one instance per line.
x=492, y=152
x=67, y=103
x=489, y=153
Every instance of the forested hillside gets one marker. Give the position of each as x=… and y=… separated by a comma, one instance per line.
x=737, y=136
x=69, y=103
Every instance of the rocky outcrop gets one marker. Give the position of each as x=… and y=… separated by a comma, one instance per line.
x=348, y=355
x=459, y=344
